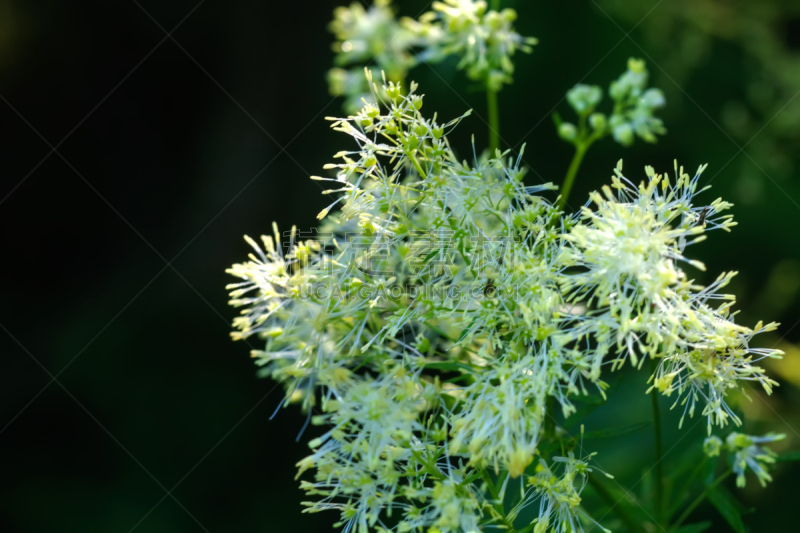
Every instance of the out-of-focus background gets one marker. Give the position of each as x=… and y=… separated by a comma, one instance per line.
x=132, y=162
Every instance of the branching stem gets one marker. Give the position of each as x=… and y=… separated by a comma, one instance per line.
x=498, y=502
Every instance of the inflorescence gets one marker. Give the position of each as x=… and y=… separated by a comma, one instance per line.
x=444, y=309
x=485, y=41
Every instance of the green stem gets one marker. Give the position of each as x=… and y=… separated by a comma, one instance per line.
x=613, y=503
x=494, y=121
x=658, y=448
x=422, y=173
x=431, y=470
x=572, y=172
x=498, y=501
x=699, y=500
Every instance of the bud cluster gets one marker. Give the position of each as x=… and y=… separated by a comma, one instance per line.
x=631, y=116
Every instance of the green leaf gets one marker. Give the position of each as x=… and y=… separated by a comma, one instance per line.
x=683, y=475
x=710, y=470
x=616, y=432
x=430, y=256
x=698, y=527
x=465, y=331
x=727, y=507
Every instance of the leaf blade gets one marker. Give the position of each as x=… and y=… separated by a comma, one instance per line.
x=727, y=507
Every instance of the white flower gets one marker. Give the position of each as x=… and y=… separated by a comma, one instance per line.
x=361, y=462
x=502, y=416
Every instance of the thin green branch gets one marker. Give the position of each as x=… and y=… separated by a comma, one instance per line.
x=572, y=172
x=417, y=166
x=494, y=121
x=498, y=502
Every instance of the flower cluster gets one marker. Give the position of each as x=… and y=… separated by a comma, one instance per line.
x=631, y=116
x=368, y=36
x=746, y=452
x=443, y=311
x=484, y=39
x=559, y=496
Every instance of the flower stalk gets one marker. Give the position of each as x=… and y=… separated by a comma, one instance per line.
x=572, y=173
x=494, y=120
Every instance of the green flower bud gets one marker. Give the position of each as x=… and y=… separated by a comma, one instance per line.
x=617, y=90
x=423, y=345
x=393, y=91
x=584, y=98
x=390, y=127
x=568, y=131
x=493, y=20
x=509, y=15
x=652, y=98
x=371, y=111
x=738, y=441
x=623, y=134
x=712, y=446
x=598, y=121
x=636, y=65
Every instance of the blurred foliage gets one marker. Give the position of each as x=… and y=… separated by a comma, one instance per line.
x=689, y=35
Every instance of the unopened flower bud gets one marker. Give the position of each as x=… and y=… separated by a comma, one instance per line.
x=568, y=131
x=623, y=134
x=598, y=121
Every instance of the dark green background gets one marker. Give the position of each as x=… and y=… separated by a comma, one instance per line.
x=182, y=156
